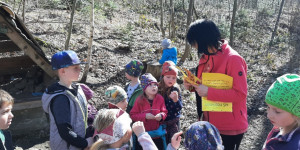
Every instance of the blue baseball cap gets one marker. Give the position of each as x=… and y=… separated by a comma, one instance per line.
x=65, y=59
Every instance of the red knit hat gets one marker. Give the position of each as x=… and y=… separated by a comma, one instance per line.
x=169, y=68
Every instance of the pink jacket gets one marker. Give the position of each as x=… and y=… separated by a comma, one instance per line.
x=142, y=107
x=228, y=62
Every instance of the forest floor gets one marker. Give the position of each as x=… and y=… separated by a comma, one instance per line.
x=126, y=36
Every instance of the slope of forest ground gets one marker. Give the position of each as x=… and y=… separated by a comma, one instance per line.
x=125, y=31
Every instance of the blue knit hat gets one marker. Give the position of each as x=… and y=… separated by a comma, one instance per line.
x=202, y=135
x=134, y=68
x=146, y=80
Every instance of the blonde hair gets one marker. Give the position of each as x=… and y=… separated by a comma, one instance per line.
x=5, y=98
x=103, y=119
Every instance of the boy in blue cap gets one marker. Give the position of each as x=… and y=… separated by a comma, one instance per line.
x=66, y=104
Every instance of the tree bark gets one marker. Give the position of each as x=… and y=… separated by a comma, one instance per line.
x=232, y=22
x=71, y=25
x=172, y=18
x=162, y=18
x=189, y=20
x=276, y=26
x=23, y=14
x=90, y=45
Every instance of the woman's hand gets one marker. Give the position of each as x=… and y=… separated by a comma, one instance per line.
x=149, y=116
x=138, y=128
x=201, y=89
x=175, y=140
x=174, y=96
x=187, y=85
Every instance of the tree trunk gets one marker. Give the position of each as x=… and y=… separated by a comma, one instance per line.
x=189, y=20
x=183, y=7
x=162, y=18
x=154, y=68
x=232, y=22
x=23, y=15
x=71, y=25
x=195, y=12
x=172, y=29
x=90, y=45
x=276, y=26
x=229, y=8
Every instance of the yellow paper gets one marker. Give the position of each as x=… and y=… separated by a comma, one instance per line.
x=217, y=81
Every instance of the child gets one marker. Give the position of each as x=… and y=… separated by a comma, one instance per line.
x=169, y=52
x=117, y=97
x=283, y=100
x=66, y=104
x=149, y=107
x=112, y=127
x=92, y=111
x=200, y=135
x=169, y=89
x=6, y=104
x=132, y=72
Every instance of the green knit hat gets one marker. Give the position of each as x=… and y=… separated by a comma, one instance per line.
x=284, y=94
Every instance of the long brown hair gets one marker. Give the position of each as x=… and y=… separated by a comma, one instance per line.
x=163, y=89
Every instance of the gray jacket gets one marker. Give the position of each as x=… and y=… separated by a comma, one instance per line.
x=78, y=118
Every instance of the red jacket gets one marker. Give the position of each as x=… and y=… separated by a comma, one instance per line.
x=228, y=62
x=141, y=107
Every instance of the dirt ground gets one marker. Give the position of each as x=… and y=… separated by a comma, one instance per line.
x=123, y=38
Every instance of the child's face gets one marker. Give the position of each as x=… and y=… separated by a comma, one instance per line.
x=170, y=80
x=279, y=117
x=127, y=76
x=123, y=104
x=5, y=115
x=72, y=72
x=152, y=89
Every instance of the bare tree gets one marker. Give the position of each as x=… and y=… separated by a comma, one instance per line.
x=232, y=22
x=71, y=25
x=189, y=20
x=276, y=26
x=23, y=14
x=90, y=45
x=172, y=24
x=162, y=18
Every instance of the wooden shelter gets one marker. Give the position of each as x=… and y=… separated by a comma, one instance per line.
x=24, y=72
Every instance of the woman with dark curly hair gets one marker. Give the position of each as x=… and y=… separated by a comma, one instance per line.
x=218, y=57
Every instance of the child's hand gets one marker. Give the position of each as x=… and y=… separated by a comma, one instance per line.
x=175, y=141
x=158, y=117
x=138, y=128
x=174, y=96
x=150, y=116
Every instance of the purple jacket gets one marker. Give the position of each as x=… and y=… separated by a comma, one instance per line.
x=290, y=141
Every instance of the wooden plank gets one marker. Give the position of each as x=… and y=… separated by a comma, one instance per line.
x=8, y=46
x=12, y=65
x=28, y=49
x=27, y=104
